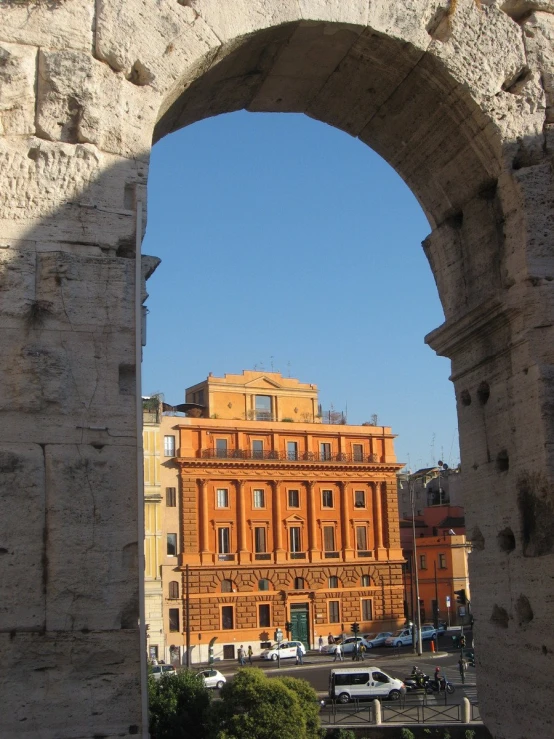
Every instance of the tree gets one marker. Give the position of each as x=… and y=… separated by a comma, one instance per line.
x=179, y=707
x=254, y=706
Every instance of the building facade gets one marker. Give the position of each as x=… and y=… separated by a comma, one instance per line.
x=278, y=519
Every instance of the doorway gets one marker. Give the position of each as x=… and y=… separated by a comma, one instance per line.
x=299, y=618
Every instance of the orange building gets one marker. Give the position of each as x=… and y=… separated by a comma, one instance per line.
x=282, y=518
x=442, y=563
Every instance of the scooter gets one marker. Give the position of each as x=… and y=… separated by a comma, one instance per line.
x=418, y=682
x=443, y=686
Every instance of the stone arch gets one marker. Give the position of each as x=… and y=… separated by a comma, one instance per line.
x=461, y=106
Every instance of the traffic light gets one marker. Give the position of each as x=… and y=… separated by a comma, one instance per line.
x=288, y=627
x=462, y=641
x=461, y=596
x=355, y=628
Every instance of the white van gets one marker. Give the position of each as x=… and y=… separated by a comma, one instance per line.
x=361, y=683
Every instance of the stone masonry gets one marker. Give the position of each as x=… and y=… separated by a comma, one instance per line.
x=458, y=98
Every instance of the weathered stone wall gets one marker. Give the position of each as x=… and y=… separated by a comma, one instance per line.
x=460, y=103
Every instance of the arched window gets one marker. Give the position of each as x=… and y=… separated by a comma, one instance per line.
x=263, y=584
x=299, y=583
x=366, y=581
x=226, y=586
x=174, y=589
x=333, y=581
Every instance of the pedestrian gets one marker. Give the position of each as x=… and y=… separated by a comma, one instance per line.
x=330, y=639
x=242, y=656
x=362, y=652
x=250, y=654
x=299, y=655
x=438, y=677
x=320, y=643
x=338, y=653
x=462, y=668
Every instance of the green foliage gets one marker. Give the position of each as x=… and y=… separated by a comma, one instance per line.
x=469, y=734
x=447, y=734
x=254, y=706
x=407, y=734
x=341, y=734
x=179, y=707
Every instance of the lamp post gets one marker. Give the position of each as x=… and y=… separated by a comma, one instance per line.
x=415, y=574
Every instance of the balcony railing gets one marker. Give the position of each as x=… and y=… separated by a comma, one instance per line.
x=278, y=456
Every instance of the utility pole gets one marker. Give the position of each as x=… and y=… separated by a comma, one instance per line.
x=418, y=612
x=187, y=613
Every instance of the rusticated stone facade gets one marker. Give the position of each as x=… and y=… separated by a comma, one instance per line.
x=458, y=98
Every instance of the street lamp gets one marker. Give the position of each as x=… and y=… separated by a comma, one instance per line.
x=415, y=573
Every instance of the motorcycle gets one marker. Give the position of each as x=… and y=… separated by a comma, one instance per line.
x=444, y=685
x=418, y=682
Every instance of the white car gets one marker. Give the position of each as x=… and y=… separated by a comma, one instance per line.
x=347, y=646
x=212, y=678
x=428, y=631
x=156, y=671
x=285, y=649
x=363, y=683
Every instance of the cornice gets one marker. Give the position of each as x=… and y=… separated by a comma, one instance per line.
x=279, y=466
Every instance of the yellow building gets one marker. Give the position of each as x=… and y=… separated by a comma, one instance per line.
x=279, y=518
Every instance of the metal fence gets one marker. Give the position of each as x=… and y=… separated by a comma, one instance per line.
x=408, y=710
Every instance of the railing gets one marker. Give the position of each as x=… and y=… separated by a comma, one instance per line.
x=287, y=456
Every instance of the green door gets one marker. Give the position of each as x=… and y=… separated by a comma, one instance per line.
x=299, y=620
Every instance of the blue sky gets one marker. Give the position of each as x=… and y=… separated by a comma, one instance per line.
x=288, y=245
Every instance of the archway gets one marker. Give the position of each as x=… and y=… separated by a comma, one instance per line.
x=455, y=103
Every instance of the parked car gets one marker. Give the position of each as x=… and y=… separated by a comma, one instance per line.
x=285, y=649
x=348, y=645
x=156, y=671
x=376, y=640
x=212, y=678
x=429, y=626
x=363, y=683
x=400, y=638
x=428, y=631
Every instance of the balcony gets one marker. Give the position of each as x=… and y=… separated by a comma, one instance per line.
x=282, y=456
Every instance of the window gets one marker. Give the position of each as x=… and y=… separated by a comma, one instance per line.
x=294, y=498
x=264, y=616
x=333, y=581
x=334, y=612
x=327, y=498
x=222, y=498
x=174, y=619
x=259, y=499
x=299, y=583
x=172, y=545
x=359, y=498
x=366, y=581
x=263, y=407
x=295, y=541
x=292, y=450
x=422, y=561
x=260, y=545
x=361, y=538
x=358, y=452
x=329, y=538
x=263, y=584
x=324, y=451
x=257, y=449
x=226, y=586
x=224, y=540
x=169, y=446
x=173, y=589
x=442, y=561
x=171, y=497
x=367, y=609
x=221, y=447
x=227, y=617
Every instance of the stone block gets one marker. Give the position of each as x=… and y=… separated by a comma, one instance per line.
x=23, y=537
x=17, y=89
x=74, y=90
x=92, y=538
x=56, y=24
x=102, y=668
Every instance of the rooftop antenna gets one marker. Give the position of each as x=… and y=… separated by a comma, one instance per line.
x=288, y=367
x=271, y=362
